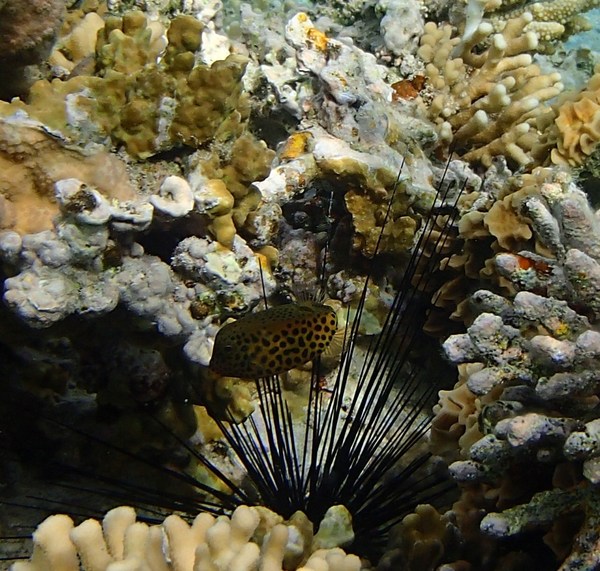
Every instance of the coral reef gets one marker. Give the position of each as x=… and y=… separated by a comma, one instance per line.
x=148, y=104
x=139, y=103
x=179, y=164
x=69, y=270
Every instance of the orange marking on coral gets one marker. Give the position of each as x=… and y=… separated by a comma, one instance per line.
x=524, y=263
x=295, y=146
x=408, y=88
x=539, y=266
x=318, y=39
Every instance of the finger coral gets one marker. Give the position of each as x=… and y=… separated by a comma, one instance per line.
x=487, y=94
x=552, y=19
x=252, y=538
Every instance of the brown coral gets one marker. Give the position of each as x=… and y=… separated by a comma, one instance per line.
x=368, y=207
x=455, y=424
x=420, y=541
x=27, y=33
x=139, y=102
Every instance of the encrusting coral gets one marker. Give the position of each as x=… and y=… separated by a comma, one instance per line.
x=32, y=160
x=252, y=538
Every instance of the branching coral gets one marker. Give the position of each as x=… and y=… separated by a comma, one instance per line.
x=252, y=538
x=489, y=223
x=455, y=426
x=488, y=102
x=547, y=507
x=552, y=19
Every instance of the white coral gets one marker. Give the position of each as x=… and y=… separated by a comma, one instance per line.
x=121, y=543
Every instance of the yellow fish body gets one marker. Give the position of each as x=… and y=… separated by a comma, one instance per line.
x=274, y=340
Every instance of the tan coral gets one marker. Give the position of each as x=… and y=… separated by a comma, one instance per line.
x=578, y=126
x=251, y=538
x=31, y=162
x=455, y=424
x=133, y=98
x=214, y=199
x=494, y=225
x=506, y=225
x=420, y=541
x=228, y=195
x=488, y=101
x=79, y=43
x=368, y=208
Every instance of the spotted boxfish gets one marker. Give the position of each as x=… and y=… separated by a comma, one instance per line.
x=274, y=340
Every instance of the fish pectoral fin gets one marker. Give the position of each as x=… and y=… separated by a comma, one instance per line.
x=336, y=345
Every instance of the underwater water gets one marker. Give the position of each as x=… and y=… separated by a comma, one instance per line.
x=299, y=285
